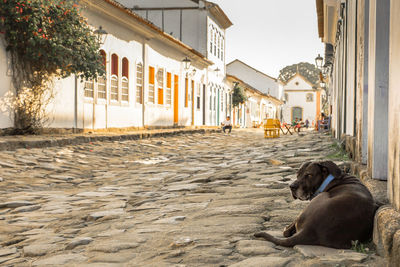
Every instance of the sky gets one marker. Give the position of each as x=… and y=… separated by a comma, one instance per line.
x=271, y=34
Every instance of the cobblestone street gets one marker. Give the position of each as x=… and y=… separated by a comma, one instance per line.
x=185, y=200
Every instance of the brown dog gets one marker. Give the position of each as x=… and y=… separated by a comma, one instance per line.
x=341, y=209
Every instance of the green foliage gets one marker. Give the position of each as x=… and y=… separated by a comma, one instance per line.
x=50, y=36
x=338, y=153
x=307, y=70
x=365, y=248
x=45, y=39
x=238, y=96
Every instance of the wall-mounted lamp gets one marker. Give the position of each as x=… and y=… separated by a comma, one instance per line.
x=101, y=35
x=318, y=61
x=186, y=63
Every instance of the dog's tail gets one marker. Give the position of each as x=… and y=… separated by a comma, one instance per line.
x=296, y=239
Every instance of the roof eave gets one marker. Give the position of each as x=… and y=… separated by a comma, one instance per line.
x=147, y=26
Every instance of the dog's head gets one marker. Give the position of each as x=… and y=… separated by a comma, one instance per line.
x=310, y=176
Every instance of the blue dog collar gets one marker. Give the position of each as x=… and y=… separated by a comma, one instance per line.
x=324, y=185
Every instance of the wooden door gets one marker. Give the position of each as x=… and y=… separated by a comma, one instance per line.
x=176, y=99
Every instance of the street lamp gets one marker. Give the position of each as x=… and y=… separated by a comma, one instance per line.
x=186, y=63
x=318, y=61
x=101, y=35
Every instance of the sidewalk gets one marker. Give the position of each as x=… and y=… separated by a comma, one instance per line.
x=50, y=140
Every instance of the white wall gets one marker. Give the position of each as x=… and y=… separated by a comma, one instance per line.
x=5, y=85
x=297, y=89
x=190, y=28
x=254, y=78
x=70, y=108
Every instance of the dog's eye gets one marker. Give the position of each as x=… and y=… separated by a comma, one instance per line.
x=309, y=176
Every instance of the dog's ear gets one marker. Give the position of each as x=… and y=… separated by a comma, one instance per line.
x=331, y=168
x=303, y=167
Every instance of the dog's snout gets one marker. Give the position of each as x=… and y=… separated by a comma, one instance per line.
x=294, y=186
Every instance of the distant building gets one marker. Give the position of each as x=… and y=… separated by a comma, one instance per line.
x=302, y=100
x=200, y=24
x=255, y=78
x=258, y=106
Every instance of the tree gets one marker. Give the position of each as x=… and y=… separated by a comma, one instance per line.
x=307, y=70
x=238, y=96
x=45, y=39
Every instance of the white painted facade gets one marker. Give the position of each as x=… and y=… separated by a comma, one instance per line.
x=5, y=85
x=256, y=109
x=118, y=102
x=301, y=100
x=201, y=25
x=255, y=78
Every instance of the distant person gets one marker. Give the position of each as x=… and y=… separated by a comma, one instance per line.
x=307, y=123
x=227, y=124
x=296, y=125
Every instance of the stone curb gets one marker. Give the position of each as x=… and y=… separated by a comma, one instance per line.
x=51, y=141
x=387, y=234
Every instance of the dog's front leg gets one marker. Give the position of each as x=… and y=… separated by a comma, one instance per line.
x=290, y=229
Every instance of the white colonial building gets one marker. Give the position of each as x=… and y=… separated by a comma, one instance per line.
x=302, y=100
x=202, y=25
x=263, y=93
x=258, y=106
x=146, y=83
x=255, y=78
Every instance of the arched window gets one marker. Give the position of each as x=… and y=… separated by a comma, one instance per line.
x=114, y=92
x=102, y=81
x=125, y=80
x=114, y=65
x=139, y=82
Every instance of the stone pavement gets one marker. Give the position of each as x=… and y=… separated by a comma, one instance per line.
x=184, y=200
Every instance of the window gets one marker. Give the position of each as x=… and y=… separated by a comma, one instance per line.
x=310, y=97
x=151, y=85
x=102, y=87
x=125, y=80
x=102, y=81
x=210, y=99
x=114, y=92
x=198, y=96
x=89, y=89
x=215, y=43
x=168, y=98
x=186, y=92
x=286, y=97
x=139, y=82
x=160, y=83
x=211, y=40
x=219, y=46
x=222, y=48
